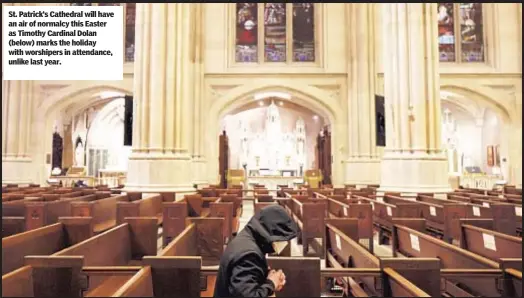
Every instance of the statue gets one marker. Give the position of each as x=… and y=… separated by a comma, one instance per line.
x=79, y=152
x=273, y=149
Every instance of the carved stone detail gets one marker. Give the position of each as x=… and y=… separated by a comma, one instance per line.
x=331, y=89
x=218, y=91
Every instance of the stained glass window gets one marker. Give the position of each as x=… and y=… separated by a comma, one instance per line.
x=275, y=32
x=246, y=32
x=303, y=32
x=446, y=32
x=461, y=34
x=130, y=32
x=471, y=32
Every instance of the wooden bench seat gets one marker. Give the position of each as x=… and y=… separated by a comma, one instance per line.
x=383, y=213
x=64, y=276
x=119, y=246
x=147, y=205
x=309, y=215
x=504, y=215
x=496, y=245
x=45, y=240
x=462, y=282
x=344, y=251
x=103, y=211
x=363, y=212
x=178, y=270
x=178, y=217
x=124, y=245
x=203, y=237
x=45, y=210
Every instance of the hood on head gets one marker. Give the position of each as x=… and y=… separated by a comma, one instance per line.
x=272, y=224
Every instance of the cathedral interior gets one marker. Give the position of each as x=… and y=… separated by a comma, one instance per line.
x=405, y=99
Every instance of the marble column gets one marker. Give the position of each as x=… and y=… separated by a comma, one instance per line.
x=199, y=112
x=363, y=164
x=17, y=101
x=160, y=158
x=413, y=160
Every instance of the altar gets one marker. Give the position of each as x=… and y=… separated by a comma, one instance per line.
x=272, y=182
x=273, y=156
x=112, y=177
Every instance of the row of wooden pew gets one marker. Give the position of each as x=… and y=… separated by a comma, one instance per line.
x=68, y=258
x=477, y=250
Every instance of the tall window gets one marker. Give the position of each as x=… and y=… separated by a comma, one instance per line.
x=275, y=32
x=303, y=32
x=247, y=32
x=464, y=20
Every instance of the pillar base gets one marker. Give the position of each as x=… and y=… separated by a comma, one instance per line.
x=410, y=173
x=17, y=170
x=198, y=166
x=362, y=171
x=159, y=173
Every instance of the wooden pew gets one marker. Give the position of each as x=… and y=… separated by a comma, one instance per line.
x=236, y=200
x=12, y=225
x=464, y=280
x=45, y=240
x=383, y=214
x=122, y=246
x=343, y=250
x=46, y=210
x=362, y=212
x=180, y=277
x=203, y=237
x=309, y=216
x=150, y=205
x=198, y=205
x=494, y=246
x=64, y=276
x=264, y=198
x=175, y=271
x=225, y=210
x=178, y=217
x=103, y=211
x=502, y=217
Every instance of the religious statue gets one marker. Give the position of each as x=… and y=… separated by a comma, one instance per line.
x=273, y=149
x=79, y=152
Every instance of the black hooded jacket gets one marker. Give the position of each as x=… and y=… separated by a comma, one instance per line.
x=243, y=267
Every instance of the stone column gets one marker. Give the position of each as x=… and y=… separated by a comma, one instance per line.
x=17, y=102
x=363, y=164
x=160, y=159
x=413, y=161
x=199, y=112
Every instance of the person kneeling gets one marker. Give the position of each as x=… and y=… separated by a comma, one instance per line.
x=243, y=269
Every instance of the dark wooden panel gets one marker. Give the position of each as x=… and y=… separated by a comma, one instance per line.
x=302, y=276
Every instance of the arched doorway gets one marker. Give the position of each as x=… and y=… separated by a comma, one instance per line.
x=476, y=132
x=273, y=136
x=55, y=112
x=310, y=98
